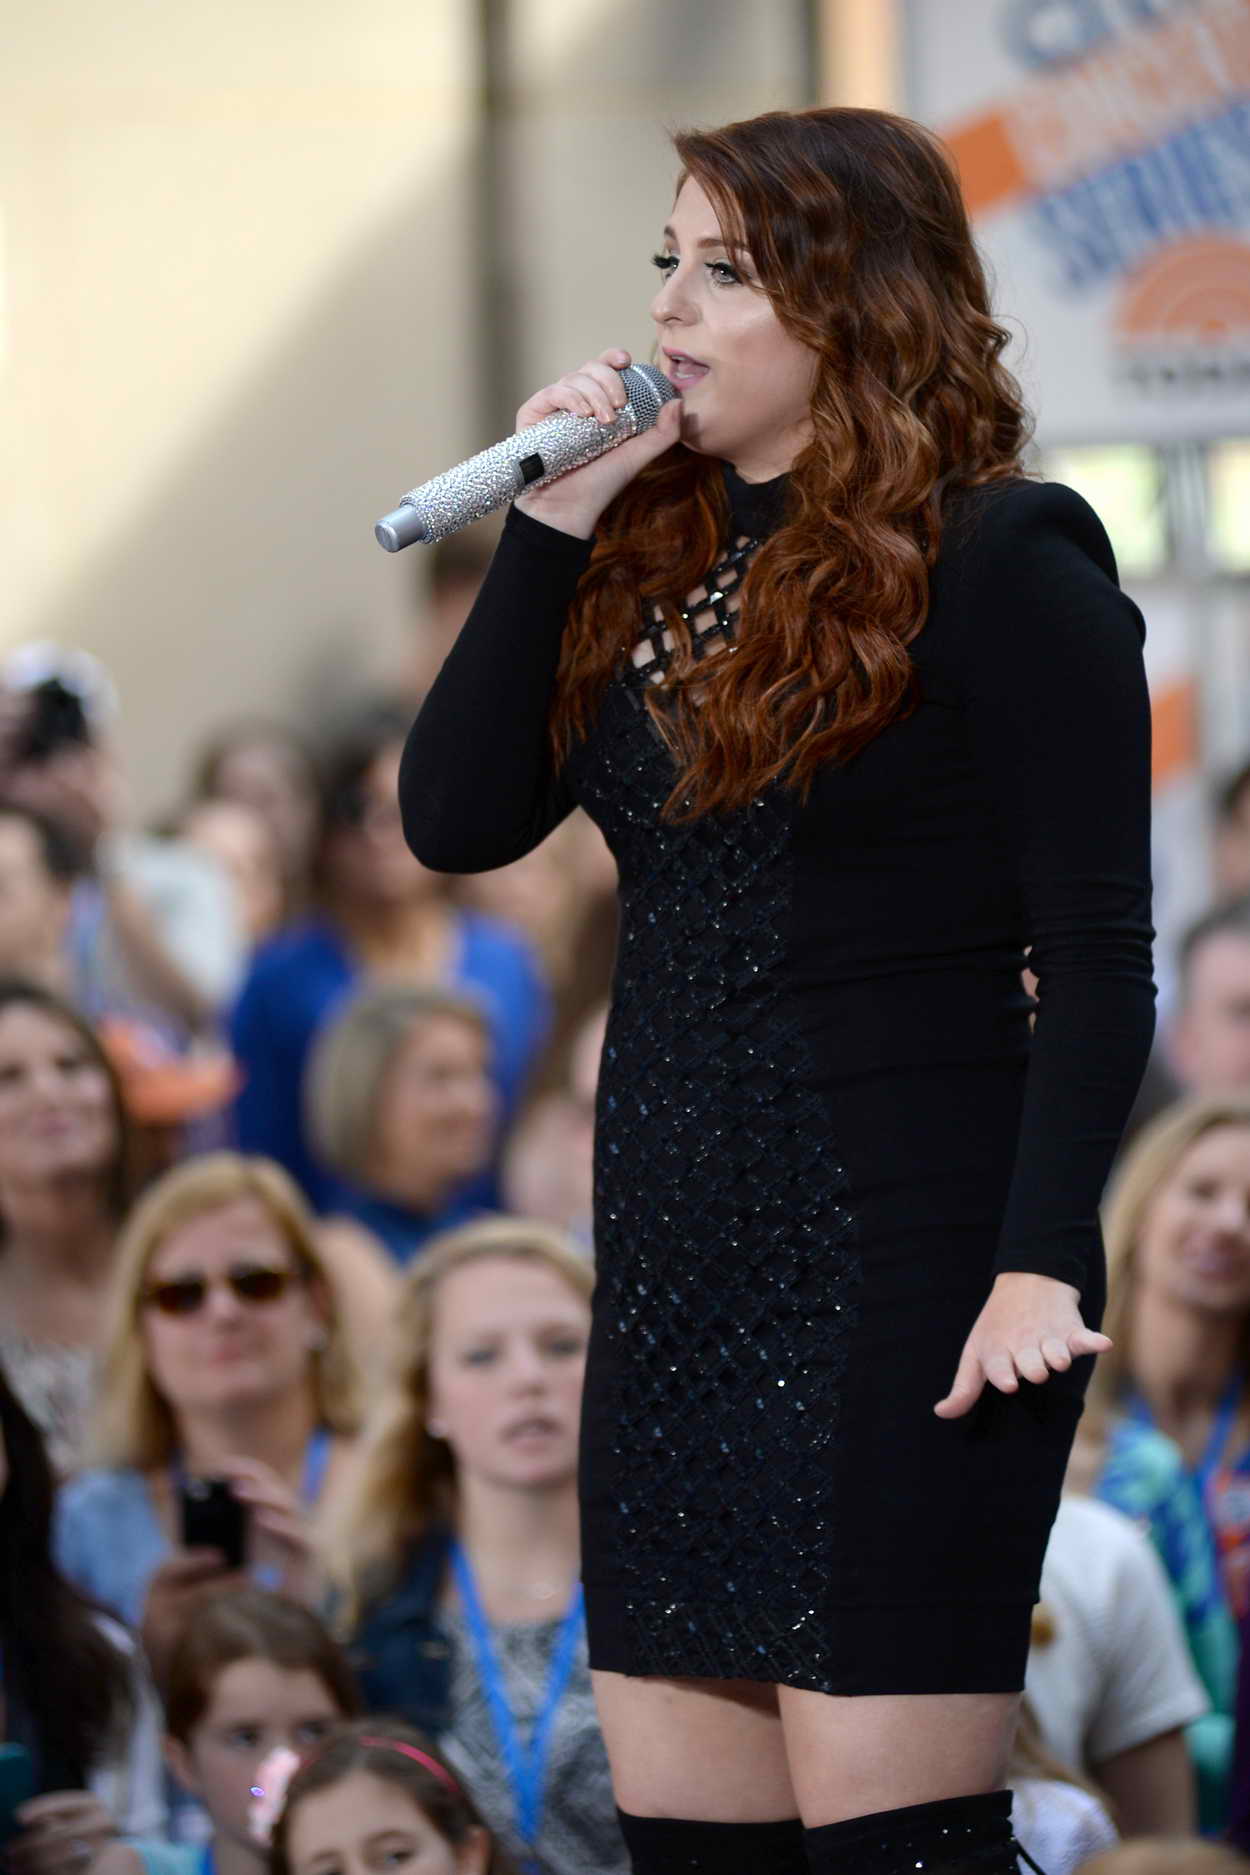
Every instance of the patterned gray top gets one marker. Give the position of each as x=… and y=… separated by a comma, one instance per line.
x=56, y=1385
x=578, y=1831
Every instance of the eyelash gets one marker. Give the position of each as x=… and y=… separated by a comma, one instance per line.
x=666, y=263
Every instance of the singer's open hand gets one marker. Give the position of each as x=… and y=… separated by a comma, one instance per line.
x=1030, y=1328
x=575, y=501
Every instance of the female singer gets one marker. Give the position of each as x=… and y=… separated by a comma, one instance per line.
x=862, y=714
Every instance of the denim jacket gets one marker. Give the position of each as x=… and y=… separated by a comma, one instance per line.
x=402, y=1661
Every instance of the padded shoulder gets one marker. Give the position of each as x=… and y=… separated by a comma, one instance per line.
x=1021, y=516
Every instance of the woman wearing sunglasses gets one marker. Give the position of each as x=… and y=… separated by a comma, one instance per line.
x=225, y=1361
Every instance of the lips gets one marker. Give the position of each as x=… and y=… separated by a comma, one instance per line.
x=536, y=1427
x=683, y=369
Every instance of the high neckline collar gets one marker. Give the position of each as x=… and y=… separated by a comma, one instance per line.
x=757, y=508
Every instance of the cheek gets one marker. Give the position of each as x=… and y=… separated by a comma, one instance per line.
x=95, y=1097
x=226, y=1780
x=1171, y=1215
x=163, y=1352
x=463, y=1401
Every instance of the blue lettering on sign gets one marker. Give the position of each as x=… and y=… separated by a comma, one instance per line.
x=1042, y=34
x=1106, y=223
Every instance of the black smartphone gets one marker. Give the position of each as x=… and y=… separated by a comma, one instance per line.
x=17, y=1786
x=214, y=1518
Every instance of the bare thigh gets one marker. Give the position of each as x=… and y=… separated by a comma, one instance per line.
x=853, y=1757
x=712, y=1750
x=731, y=1751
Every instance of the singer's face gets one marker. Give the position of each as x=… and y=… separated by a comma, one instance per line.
x=746, y=384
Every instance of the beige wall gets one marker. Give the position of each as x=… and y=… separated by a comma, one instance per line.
x=228, y=335
x=592, y=114
x=239, y=314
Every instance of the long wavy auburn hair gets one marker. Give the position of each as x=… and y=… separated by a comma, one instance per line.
x=859, y=237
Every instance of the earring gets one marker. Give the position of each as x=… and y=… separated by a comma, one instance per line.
x=436, y=1428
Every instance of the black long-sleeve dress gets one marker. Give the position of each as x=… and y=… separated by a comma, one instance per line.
x=824, y=1121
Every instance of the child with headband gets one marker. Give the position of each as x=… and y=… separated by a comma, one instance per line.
x=377, y=1795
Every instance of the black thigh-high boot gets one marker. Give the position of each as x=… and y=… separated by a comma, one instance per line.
x=957, y=1836
x=660, y=1845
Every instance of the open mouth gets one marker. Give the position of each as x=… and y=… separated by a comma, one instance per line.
x=683, y=369
x=536, y=1428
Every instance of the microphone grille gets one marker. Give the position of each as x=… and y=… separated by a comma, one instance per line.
x=648, y=390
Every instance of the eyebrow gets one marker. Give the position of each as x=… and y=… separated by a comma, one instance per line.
x=708, y=241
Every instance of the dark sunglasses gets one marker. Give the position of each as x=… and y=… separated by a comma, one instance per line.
x=254, y=1283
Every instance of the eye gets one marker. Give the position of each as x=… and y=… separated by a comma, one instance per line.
x=312, y=1731
x=244, y=1737
x=665, y=263
x=478, y=1357
x=723, y=273
x=565, y=1347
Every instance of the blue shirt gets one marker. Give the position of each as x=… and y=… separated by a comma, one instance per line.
x=295, y=982
x=107, y=1539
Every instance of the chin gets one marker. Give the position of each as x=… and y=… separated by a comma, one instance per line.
x=544, y=1474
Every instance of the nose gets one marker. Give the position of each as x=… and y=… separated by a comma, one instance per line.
x=1233, y=1213
x=671, y=305
x=221, y=1303
x=525, y=1369
x=46, y=1082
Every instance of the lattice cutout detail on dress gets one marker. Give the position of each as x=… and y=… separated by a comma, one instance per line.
x=710, y=613
x=727, y=1257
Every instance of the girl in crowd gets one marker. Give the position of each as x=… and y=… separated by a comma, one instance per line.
x=402, y=1107
x=225, y=1358
x=73, y=1696
x=242, y=843
x=1178, y=1247
x=264, y=767
x=64, y=1182
x=456, y=1551
x=380, y=1796
x=251, y=1674
x=379, y=916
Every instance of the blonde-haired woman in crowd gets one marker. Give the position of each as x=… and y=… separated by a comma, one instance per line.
x=455, y=1549
x=1166, y=1437
x=225, y=1359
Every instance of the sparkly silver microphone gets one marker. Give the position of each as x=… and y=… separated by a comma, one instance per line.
x=531, y=458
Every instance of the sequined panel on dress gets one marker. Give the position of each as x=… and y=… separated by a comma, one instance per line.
x=726, y=1247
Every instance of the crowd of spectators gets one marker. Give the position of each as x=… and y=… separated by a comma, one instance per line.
x=296, y=1256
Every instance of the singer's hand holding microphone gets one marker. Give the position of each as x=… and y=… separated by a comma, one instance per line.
x=574, y=502
x=564, y=473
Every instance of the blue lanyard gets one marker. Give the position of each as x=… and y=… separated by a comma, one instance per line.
x=208, y=1860
x=527, y=1769
x=1225, y=1414
x=316, y=1460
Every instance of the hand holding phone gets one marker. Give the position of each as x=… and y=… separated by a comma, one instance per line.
x=213, y=1517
